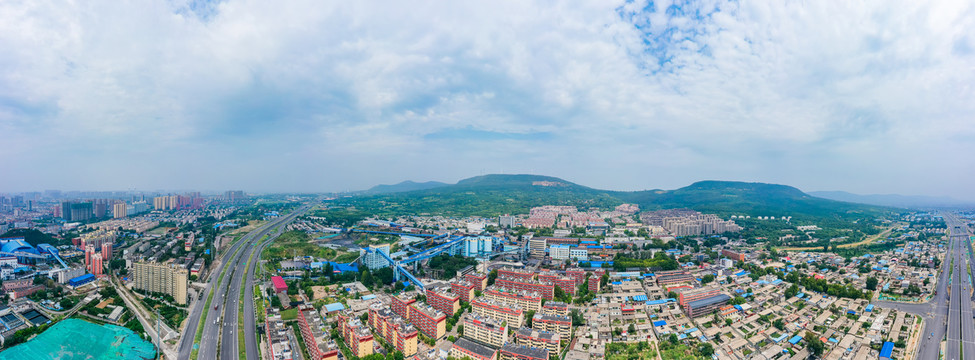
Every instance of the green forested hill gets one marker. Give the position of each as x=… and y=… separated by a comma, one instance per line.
x=492, y=195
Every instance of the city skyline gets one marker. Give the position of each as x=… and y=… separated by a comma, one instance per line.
x=870, y=98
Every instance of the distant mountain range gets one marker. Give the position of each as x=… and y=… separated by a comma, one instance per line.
x=404, y=186
x=906, y=201
x=491, y=195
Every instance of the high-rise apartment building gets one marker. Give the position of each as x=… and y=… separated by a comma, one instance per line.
x=107, y=251
x=89, y=252
x=97, y=265
x=161, y=278
x=119, y=210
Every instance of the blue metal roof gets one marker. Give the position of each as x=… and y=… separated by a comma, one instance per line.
x=334, y=307
x=639, y=298
x=869, y=308
x=887, y=350
x=795, y=339
x=659, y=323
x=658, y=302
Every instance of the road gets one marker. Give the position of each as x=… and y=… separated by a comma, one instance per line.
x=943, y=319
x=229, y=346
x=226, y=298
x=961, y=327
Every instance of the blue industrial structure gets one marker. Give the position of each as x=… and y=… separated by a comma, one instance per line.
x=81, y=280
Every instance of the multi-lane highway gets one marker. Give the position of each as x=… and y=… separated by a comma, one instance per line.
x=961, y=327
x=221, y=315
x=948, y=317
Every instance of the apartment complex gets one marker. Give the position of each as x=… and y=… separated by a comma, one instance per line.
x=319, y=345
x=512, y=351
x=688, y=296
x=512, y=273
x=478, y=279
x=161, y=278
x=464, y=348
x=465, y=289
x=357, y=336
x=539, y=338
x=430, y=321
x=526, y=300
x=504, y=312
x=119, y=210
x=561, y=325
x=277, y=334
x=546, y=290
x=665, y=278
x=401, y=304
x=682, y=222
x=393, y=329
x=706, y=305
x=443, y=300
x=555, y=308
x=485, y=330
x=733, y=255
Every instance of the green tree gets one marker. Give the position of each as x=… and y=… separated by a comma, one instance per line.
x=367, y=279
x=872, y=283
x=815, y=345
x=528, y=317
x=779, y=324
x=707, y=279
x=792, y=291
x=705, y=349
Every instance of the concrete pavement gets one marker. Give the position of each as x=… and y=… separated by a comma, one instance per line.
x=223, y=297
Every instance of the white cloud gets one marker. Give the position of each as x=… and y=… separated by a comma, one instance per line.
x=822, y=95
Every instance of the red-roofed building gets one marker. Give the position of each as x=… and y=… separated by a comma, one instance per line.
x=279, y=284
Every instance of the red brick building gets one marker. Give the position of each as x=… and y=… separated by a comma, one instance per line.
x=478, y=279
x=394, y=329
x=319, y=345
x=464, y=289
x=521, y=274
x=430, y=321
x=443, y=300
x=401, y=304
x=547, y=290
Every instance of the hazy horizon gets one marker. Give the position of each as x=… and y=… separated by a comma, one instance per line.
x=303, y=96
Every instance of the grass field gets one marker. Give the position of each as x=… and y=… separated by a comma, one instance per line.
x=867, y=241
x=296, y=243
x=289, y=314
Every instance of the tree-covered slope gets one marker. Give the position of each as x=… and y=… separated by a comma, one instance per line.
x=492, y=195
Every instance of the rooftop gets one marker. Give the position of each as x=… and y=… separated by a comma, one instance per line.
x=538, y=334
x=709, y=300
x=476, y=348
x=527, y=351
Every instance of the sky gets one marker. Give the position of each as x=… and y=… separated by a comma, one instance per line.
x=267, y=96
